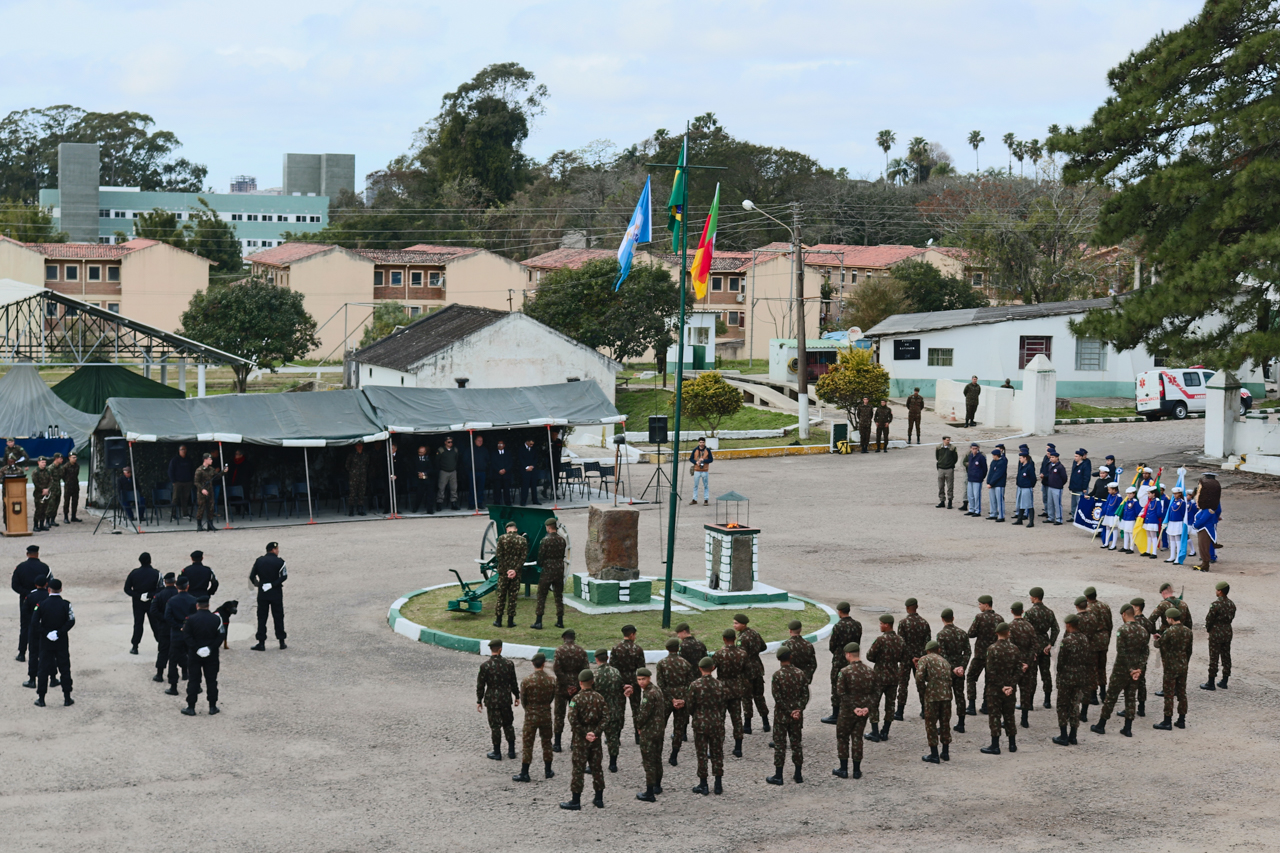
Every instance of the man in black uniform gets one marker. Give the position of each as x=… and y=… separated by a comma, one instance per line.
x=50, y=622
x=24, y=580
x=528, y=473
x=203, y=634
x=141, y=586
x=176, y=611
x=29, y=604
x=423, y=483
x=159, y=627
x=200, y=576
x=503, y=465
x=268, y=575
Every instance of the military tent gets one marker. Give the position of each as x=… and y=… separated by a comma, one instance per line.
x=89, y=388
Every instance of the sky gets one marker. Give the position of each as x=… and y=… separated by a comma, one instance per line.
x=241, y=83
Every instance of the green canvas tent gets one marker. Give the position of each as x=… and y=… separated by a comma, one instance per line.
x=90, y=386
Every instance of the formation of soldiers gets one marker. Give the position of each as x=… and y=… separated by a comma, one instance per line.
x=54, y=482
x=881, y=416
x=1011, y=657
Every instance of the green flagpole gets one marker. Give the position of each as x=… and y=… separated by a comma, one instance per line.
x=675, y=442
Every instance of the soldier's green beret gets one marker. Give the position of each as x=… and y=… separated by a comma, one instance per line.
x=570, y=634
x=784, y=653
x=728, y=634
x=673, y=645
x=1165, y=585
x=602, y=653
x=1036, y=592
x=1016, y=607
x=1173, y=613
x=706, y=663
x=741, y=618
x=43, y=459
x=1139, y=602
x=886, y=618
x=586, y=677
x=1081, y=601
x=1128, y=608
x=948, y=614
x=1071, y=619
x=495, y=644
x=1223, y=586
x=911, y=602
x=796, y=624
x=1002, y=628
x=539, y=659
x=1090, y=592
x=852, y=648
x=552, y=521
x=644, y=671
x=628, y=630
x=683, y=626
x=930, y=646
x=208, y=456
x=842, y=607
x=984, y=599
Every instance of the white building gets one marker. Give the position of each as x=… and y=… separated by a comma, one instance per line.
x=462, y=346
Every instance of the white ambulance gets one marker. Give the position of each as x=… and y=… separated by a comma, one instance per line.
x=1171, y=391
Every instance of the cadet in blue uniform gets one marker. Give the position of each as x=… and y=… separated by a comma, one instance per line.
x=1154, y=520
x=976, y=467
x=1044, y=487
x=1110, y=523
x=1025, y=483
x=1176, y=524
x=1129, y=517
x=1078, y=484
x=997, y=478
x=1055, y=480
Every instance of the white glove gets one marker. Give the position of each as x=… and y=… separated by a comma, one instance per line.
x=52, y=635
x=203, y=651
x=146, y=596
x=266, y=587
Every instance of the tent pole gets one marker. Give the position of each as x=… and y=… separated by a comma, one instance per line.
x=226, y=503
x=551, y=455
x=391, y=482
x=471, y=452
x=617, y=459
x=306, y=469
x=134, y=479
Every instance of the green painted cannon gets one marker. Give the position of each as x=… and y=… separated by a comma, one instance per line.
x=531, y=523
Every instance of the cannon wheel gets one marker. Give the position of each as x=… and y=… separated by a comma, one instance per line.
x=489, y=544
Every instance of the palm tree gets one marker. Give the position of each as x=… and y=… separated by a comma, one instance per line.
x=1020, y=152
x=975, y=139
x=1010, y=141
x=896, y=169
x=1035, y=151
x=918, y=156
x=885, y=140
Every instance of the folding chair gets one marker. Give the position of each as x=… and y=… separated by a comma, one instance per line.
x=236, y=498
x=298, y=494
x=590, y=467
x=271, y=494
x=161, y=498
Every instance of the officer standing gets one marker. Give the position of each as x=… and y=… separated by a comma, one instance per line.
x=25, y=575
x=650, y=723
x=865, y=413
x=707, y=703
x=790, y=687
x=1046, y=625
x=1005, y=667
x=181, y=605
x=916, y=633
x=887, y=653
x=510, y=552
x=1175, y=652
x=972, y=392
x=51, y=622
x=627, y=657
x=1075, y=662
x=71, y=489
x=846, y=630
x=269, y=574
x=29, y=604
x=551, y=561
x=983, y=634
x=674, y=675
x=859, y=690
x=750, y=641
x=204, y=479
x=1218, y=623
x=570, y=660
x=933, y=678
x=201, y=577
x=537, y=692
x=42, y=483
x=55, y=489
x=915, y=406
x=587, y=714
x=141, y=585
x=947, y=457
x=953, y=644
x=883, y=417
x=495, y=686
x=203, y=635
x=159, y=627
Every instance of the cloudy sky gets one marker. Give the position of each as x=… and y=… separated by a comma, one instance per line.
x=242, y=82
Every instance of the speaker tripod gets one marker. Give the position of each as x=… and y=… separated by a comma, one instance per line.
x=659, y=481
x=113, y=509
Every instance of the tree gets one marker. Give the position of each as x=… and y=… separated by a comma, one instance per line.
x=874, y=300
x=707, y=400
x=975, y=139
x=1188, y=138
x=252, y=319
x=160, y=224
x=927, y=289
x=1011, y=142
x=210, y=237
x=28, y=223
x=918, y=157
x=854, y=375
x=387, y=317
x=885, y=140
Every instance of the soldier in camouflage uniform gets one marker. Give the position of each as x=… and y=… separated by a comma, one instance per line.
x=1100, y=642
x=983, y=634
x=496, y=685
x=673, y=673
x=889, y=655
x=651, y=724
x=933, y=678
x=691, y=649
x=1085, y=622
x=71, y=488
x=610, y=684
x=790, y=688
x=551, y=552
x=14, y=453
x=1174, y=643
x=510, y=553
x=570, y=660
x=883, y=417
x=1132, y=650
x=1023, y=635
x=864, y=414
x=915, y=406
x=915, y=632
x=202, y=484
x=627, y=657
x=587, y=714
x=536, y=695
x=706, y=704
x=1046, y=625
x=55, y=489
x=803, y=657
x=859, y=691
x=41, y=484
x=357, y=479
x=1169, y=600
x=1218, y=623
x=846, y=630
x=1074, y=661
x=953, y=644
x=1005, y=668
x=750, y=641
x=731, y=664
x=1139, y=604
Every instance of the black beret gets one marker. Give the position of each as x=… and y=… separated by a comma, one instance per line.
x=169, y=576
x=204, y=599
x=196, y=555
x=182, y=582
x=628, y=629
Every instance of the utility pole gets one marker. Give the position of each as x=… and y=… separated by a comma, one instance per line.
x=510, y=296
x=802, y=355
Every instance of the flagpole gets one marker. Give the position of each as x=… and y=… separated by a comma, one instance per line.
x=675, y=442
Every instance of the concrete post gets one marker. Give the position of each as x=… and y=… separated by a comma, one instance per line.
x=164, y=373
x=1222, y=402
x=182, y=375
x=200, y=379
x=1039, y=396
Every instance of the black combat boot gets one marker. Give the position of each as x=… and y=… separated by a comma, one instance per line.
x=560, y=623
x=657, y=788
x=351, y=512
x=857, y=770
x=1181, y=722
x=555, y=744
x=283, y=646
x=835, y=716
x=574, y=804
x=941, y=504
x=1047, y=704
x=159, y=676
x=964, y=507
x=1013, y=743
x=548, y=773
x=959, y=727
x=134, y=650
x=1084, y=712
x=647, y=795
x=613, y=764
x=946, y=752
x=537, y=626
x=701, y=787
x=1061, y=739
x=932, y=757
x=497, y=623
x=1127, y=731
x=764, y=723
x=360, y=510
x=1071, y=736
x=776, y=778
x=949, y=506
x=746, y=726
x=972, y=710
x=189, y=711
x=716, y=789
x=511, y=621
x=1025, y=723
x=1031, y=520
x=1209, y=685
x=994, y=749
x=1018, y=519
x=984, y=710
x=496, y=755
x=797, y=776
x=1142, y=709
x=884, y=732
x=30, y=682
x=1223, y=682
x=843, y=770
x=873, y=735
x=897, y=715
x=523, y=775
x=598, y=800
x=737, y=749
x=511, y=749
x=1099, y=728
x=1164, y=725
x=173, y=690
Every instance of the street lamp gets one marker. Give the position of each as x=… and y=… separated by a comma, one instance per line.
x=802, y=355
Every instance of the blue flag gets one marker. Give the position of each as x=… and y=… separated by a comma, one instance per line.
x=639, y=230
x=1088, y=513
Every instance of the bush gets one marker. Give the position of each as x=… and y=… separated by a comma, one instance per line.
x=708, y=400
x=855, y=375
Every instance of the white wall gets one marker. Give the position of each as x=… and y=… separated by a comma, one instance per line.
x=996, y=407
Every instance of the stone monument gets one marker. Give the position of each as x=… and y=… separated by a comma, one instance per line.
x=613, y=543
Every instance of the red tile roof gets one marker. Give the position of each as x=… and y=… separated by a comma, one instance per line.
x=432, y=255
x=720, y=261
x=94, y=251
x=953, y=252
x=568, y=258
x=287, y=253
x=453, y=251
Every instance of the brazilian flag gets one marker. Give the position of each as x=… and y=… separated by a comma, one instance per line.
x=675, y=204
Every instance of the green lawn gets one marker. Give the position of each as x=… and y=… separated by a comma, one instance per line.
x=1080, y=410
x=639, y=405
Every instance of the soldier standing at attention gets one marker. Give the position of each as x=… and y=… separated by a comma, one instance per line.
x=496, y=685
x=864, y=413
x=627, y=657
x=790, y=688
x=674, y=675
x=1085, y=620
x=706, y=705
x=803, y=656
x=1074, y=663
x=587, y=714
x=846, y=630
x=570, y=660
x=1174, y=644
x=1046, y=625
x=141, y=584
x=1100, y=642
x=201, y=577
x=888, y=654
x=730, y=663
x=609, y=684
x=916, y=633
x=691, y=649
x=651, y=724
x=1132, y=649
x=1218, y=623
x=510, y=553
x=42, y=483
x=29, y=605
x=933, y=677
x=1023, y=635
x=972, y=392
x=1004, y=669
x=357, y=479
x=55, y=489
x=536, y=694
x=975, y=476
x=883, y=417
x=953, y=644
x=159, y=627
x=859, y=691
x=268, y=574
x=750, y=641
x=181, y=605
x=24, y=578
x=551, y=560
x=50, y=622
x=947, y=456
x=983, y=634
x=203, y=632
x=1138, y=605
x=204, y=479
x=915, y=405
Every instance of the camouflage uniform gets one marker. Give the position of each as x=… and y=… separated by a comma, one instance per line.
x=1075, y=661
x=858, y=687
x=953, y=643
x=202, y=482
x=693, y=651
x=864, y=415
x=71, y=490
x=627, y=657
x=933, y=678
x=55, y=491
x=13, y=454
x=706, y=705
x=587, y=714
x=551, y=561
x=496, y=685
x=915, y=632
x=609, y=684
x=1173, y=602
x=1086, y=626
x=650, y=722
x=672, y=673
x=972, y=392
x=1150, y=627
x=983, y=634
x=1174, y=644
x=570, y=660
x=1218, y=623
x=536, y=695
x=1100, y=642
x=847, y=630
x=915, y=405
x=357, y=478
x=883, y=417
x=790, y=689
x=731, y=664
x=511, y=551
x=1046, y=625
x=1132, y=650
x=888, y=654
x=41, y=479
x=803, y=657
x=1004, y=669
x=753, y=674
x=1023, y=635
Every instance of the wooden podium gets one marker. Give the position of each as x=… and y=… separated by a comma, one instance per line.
x=15, y=506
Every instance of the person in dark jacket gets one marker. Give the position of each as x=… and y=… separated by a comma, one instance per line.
x=176, y=610
x=947, y=457
x=202, y=579
x=182, y=473
x=268, y=575
x=29, y=605
x=1025, y=482
x=1099, y=491
x=480, y=459
x=50, y=622
x=25, y=575
x=159, y=627
x=1081, y=470
x=527, y=458
x=976, y=467
x=503, y=464
x=141, y=585
x=1055, y=479
x=997, y=477
x=1044, y=489
x=203, y=634
x=423, y=481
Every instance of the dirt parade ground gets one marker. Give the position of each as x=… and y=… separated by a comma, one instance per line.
x=356, y=738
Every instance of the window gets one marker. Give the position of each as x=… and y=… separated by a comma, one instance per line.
x=940, y=357
x=253, y=244
x=299, y=219
x=415, y=278
x=51, y=310
x=71, y=272
x=1091, y=355
x=733, y=286
x=51, y=272
x=95, y=273
x=113, y=307
x=977, y=279
x=573, y=379
x=104, y=214
x=178, y=216
x=733, y=318
x=280, y=218
x=397, y=278
x=1157, y=361
x=1030, y=346
x=717, y=283
x=853, y=276
x=237, y=217
x=414, y=311
x=113, y=273
x=315, y=219
x=106, y=240
x=119, y=214
x=435, y=279
x=1190, y=379
x=377, y=278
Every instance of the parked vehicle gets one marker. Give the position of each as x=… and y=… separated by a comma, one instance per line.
x=1173, y=392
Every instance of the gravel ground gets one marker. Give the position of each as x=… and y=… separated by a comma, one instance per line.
x=358, y=739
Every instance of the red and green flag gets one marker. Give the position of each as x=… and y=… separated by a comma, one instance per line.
x=675, y=204
x=706, y=248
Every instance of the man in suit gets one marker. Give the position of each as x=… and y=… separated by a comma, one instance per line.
x=423, y=481
x=504, y=469
x=528, y=463
x=480, y=461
